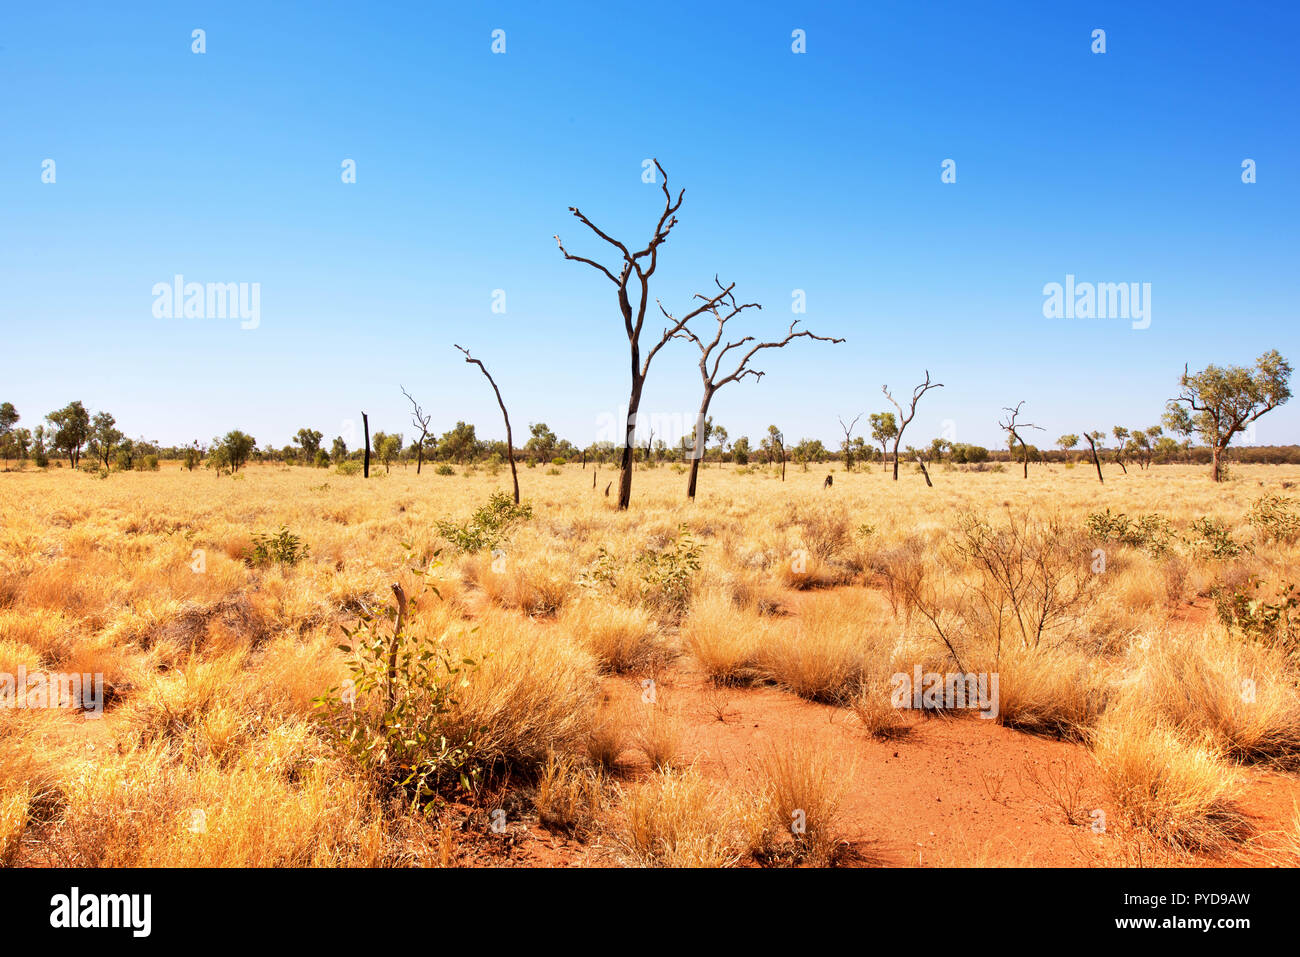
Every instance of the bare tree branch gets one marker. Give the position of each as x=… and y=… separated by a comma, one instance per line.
x=510, y=440
x=905, y=419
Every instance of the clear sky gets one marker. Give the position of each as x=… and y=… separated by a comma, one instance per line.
x=818, y=171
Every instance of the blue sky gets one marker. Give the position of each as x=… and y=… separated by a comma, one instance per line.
x=817, y=171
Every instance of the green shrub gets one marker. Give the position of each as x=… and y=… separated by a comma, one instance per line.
x=282, y=548
x=667, y=574
x=149, y=463
x=1211, y=538
x=488, y=526
x=1152, y=533
x=348, y=467
x=1274, y=520
x=391, y=714
x=445, y=469
x=1257, y=619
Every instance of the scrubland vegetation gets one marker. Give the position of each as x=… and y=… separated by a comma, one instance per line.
x=679, y=684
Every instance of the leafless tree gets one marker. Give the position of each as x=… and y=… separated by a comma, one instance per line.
x=848, y=440
x=365, y=424
x=632, y=304
x=421, y=421
x=904, y=418
x=712, y=353
x=1012, y=428
x=920, y=460
x=510, y=439
x=1092, y=444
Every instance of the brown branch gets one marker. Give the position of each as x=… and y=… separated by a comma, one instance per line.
x=510, y=441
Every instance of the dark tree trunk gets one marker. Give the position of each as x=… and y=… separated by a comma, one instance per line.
x=926, y=473
x=699, y=441
x=629, y=447
x=365, y=422
x=1095, y=460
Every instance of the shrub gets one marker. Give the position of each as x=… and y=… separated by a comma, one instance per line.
x=445, y=469
x=1256, y=618
x=390, y=714
x=1183, y=795
x=282, y=548
x=1210, y=538
x=668, y=573
x=149, y=463
x=488, y=526
x=1274, y=520
x=348, y=467
x=1152, y=533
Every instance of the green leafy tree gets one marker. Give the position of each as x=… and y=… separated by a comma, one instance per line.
x=386, y=448
x=884, y=429
x=1226, y=400
x=236, y=447
x=740, y=450
x=8, y=419
x=541, y=444
x=309, y=441
x=459, y=443
x=71, y=430
x=1178, y=421
x=40, y=457
x=104, y=436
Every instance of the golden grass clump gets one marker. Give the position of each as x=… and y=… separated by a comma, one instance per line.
x=679, y=818
x=725, y=639
x=621, y=638
x=1184, y=794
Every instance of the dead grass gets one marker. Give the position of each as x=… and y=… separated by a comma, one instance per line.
x=212, y=664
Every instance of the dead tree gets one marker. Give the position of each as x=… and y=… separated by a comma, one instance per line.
x=905, y=419
x=924, y=471
x=725, y=309
x=848, y=441
x=632, y=304
x=365, y=424
x=421, y=422
x=510, y=439
x=1012, y=428
x=1092, y=444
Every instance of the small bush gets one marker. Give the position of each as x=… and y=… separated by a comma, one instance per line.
x=1152, y=533
x=1211, y=538
x=1274, y=520
x=488, y=526
x=1252, y=615
x=445, y=469
x=668, y=573
x=389, y=716
x=282, y=548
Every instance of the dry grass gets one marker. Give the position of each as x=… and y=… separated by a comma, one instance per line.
x=802, y=793
x=1180, y=793
x=678, y=818
x=212, y=664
